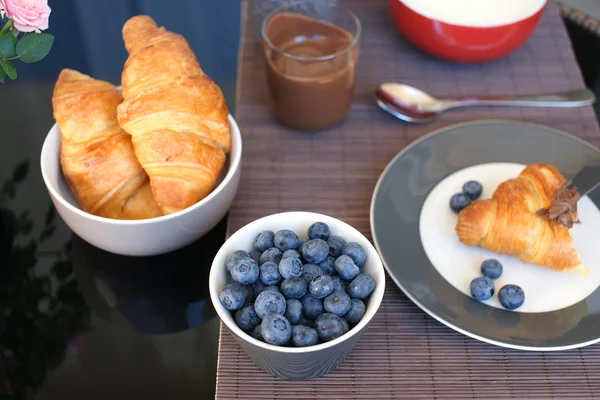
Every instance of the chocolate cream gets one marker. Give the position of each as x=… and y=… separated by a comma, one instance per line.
x=310, y=72
x=563, y=208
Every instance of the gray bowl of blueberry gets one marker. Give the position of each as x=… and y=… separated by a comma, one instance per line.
x=297, y=291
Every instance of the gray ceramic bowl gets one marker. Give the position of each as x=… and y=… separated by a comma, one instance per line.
x=291, y=363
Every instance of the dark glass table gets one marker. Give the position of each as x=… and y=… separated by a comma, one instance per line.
x=78, y=322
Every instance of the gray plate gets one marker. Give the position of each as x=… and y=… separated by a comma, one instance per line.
x=396, y=207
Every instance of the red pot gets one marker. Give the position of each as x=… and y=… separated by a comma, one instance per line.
x=459, y=42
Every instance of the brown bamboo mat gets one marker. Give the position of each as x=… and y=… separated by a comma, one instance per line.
x=405, y=353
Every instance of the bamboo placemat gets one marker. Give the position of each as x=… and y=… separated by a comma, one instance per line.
x=405, y=353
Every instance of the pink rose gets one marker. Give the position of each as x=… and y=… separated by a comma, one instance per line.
x=27, y=15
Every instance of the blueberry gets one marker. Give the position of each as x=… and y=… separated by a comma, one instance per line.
x=511, y=297
x=491, y=268
x=245, y=271
x=233, y=257
x=290, y=266
x=286, y=239
x=473, y=189
x=339, y=284
x=246, y=317
x=321, y=286
x=356, y=312
x=257, y=333
x=293, y=311
x=232, y=297
x=291, y=253
x=482, y=288
x=310, y=272
x=269, y=273
x=255, y=255
x=272, y=254
x=356, y=253
x=346, y=326
x=303, y=336
x=257, y=288
x=293, y=287
x=269, y=302
x=459, y=201
x=345, y=266
x=328, y=265
x=276, y=329
x=315, y=251
x=249, y=293
x=336, y=245
x=328, y=326
x=337, y=303
x=264, y=241
x=361, y=286
x=319, y=230
x=311, y=306
x=271, y=288
x=301, y=244
x=305, y=321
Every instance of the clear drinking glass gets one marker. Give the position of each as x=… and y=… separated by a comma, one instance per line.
x=311, y=49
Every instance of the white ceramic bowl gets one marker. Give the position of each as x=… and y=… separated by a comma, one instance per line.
x=295, y=363
x=142, y=237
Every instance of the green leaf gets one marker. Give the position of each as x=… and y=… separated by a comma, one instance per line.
x=7, y=46
x=20, y=171
x=9, y=68
x=34, y=47
x=2, y=75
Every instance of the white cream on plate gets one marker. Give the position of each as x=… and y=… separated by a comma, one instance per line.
x=479, y=13
x=545, y=290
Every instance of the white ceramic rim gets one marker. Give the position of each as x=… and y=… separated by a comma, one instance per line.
x=234, y=165
x=374, y=301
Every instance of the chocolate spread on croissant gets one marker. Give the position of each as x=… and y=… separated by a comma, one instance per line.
x=564, y=207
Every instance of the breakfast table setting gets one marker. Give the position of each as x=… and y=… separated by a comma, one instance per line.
x=400, y=201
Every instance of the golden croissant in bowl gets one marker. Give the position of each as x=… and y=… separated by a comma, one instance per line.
x=512, y=221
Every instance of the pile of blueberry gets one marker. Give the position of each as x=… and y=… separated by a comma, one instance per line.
x=298, y=292
x=510, y=296
x=471, y=191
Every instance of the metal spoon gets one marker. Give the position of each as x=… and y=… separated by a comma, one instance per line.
x=413, y=105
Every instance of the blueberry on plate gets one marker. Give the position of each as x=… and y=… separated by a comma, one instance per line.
x=346, y=268
x=269, y=273
x=246, y=317
x=336, y=244
x=473, y=189
x=459, y=201
x=249, y=293
x=233, y=257
x=293, y=287
x=511, y=296
x=291, y=253
x=310, y=272
x=356, y=312
x=257, y=333
x=482, y=288
x=286, y=239
x=311, y=306
x=272, y=288
x=290, y=266
x=328, y=265
x=303, y=336
x=276, y=329
x=329, y=326
x=319, y=230
x=306, y=321
x=272, y=254
x=346, y=325
x=255, y=255
x=245, y=271
x=257, y=288
x=356, y=253
x=361, y=286
x=491, y=268
x=232, y=297
x=339, y=284
x=315, y=251
x=269, y=302
x=293, y=311
x=321, y=286
x=337, y=303
x=264, y=241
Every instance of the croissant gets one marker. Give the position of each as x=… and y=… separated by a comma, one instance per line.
x=96, y=155
x=509, y=222
x=175, y=113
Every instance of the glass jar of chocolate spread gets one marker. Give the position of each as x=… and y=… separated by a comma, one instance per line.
x=311, y=49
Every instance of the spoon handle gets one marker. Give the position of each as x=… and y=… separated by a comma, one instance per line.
x=576, y=98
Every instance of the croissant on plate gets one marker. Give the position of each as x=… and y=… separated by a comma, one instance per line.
x=510, y=223
x=96, y=155
x=175, y=113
